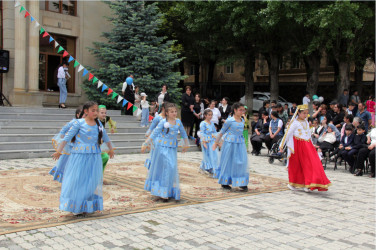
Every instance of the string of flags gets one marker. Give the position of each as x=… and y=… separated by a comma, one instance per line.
x=76, y=65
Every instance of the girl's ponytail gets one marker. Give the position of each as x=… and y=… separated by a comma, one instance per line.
x=100, y=132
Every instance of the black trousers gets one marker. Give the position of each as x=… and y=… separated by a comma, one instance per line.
x=196, y=124
x=362, y=157
x=269, y=141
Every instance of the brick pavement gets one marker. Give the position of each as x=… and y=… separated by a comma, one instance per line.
x=342, y=218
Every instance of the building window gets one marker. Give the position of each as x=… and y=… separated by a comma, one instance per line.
x=66, y=7
x=230, y=68
x=49, y=61
x=192, y=70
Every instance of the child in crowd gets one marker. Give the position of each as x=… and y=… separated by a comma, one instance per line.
x=145, y=111
x=58, y=170
x=81, y=190
x=350, y=109
x=208, y=133
x=234, y=161
x=104, y=119
x=347, y=140
x=292, y=109
x=360, y=139
x=163, y=176
x=153, y=108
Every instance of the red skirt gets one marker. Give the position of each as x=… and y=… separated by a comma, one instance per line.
x=305, y=168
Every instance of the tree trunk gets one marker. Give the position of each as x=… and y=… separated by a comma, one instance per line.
x=273, y=63
x=344, y=77
x=359, y=79
x=249, y=68
x=209, y=86
x=197, y=77
x=312, y=64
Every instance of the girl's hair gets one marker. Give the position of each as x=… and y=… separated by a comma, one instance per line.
x=234, y=106
x=323, y=106
x=169, y=106
x=206, y=112
x=199, y=96
x=78, y=112
x=165, y=85
x=212, y=102
x=275, y=114
x=86, y=106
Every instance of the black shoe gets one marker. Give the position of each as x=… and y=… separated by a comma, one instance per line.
x=244, y=189
x=359, y=173
x=372, y=175
x=257, y=153
x=226, y=187
x=165, y=200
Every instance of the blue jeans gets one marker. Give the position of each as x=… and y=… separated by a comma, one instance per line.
x=145, y=117
x=61, y=82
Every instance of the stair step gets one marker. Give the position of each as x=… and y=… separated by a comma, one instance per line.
x=55, y=130
x=68, y=111
x=54, y=123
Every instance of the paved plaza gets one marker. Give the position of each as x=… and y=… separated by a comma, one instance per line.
x=342, y=218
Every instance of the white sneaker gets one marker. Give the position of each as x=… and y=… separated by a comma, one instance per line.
x=201, y=171
x=291, y=187
x=307, y=190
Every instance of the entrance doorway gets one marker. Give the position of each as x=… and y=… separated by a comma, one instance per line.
x=53, y=64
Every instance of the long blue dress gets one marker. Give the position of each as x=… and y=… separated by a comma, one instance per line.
x=58, y=170
x=81, y=190
x=234, y=161
x=163, y=176
x=210, y=161
x=153, y=125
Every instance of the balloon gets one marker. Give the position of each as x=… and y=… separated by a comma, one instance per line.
x=321, y=99
x=129, y=80
x=314, y=97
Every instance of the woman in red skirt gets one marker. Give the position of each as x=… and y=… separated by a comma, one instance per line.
x=304, y=165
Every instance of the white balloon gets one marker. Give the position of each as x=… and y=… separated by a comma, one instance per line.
x=321, y=99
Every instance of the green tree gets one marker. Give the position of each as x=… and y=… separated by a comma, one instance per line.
x=133, y=47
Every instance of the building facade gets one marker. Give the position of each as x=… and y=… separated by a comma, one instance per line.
x=75, y=25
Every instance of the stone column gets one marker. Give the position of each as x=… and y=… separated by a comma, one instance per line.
x=33, y=59
x=20, y=49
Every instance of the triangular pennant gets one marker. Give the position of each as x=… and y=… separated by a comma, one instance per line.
x=56, y=44
x=150, y=118
x=32, y=19
x=129, y=105
x=22, y=9
x=90, y=76
x=36, y=25
x=27, y=14
x=70, y=59
x=51, y=39
x=109, y=91
x=119, y=99
x=134, y=108
x=114, y=95
x=104, y=87
x=17, y=4
x=100, y=83
x=95, y=79
x=60, y=49
x=80, y=68
x=45, y=34
x=41, y=30
x=75, y=64
x=65, y=54
x=85, y=72
x=124, y=102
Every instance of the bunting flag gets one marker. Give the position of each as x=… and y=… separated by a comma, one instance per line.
x=104, y=87
x=109, y=91
x=80, y=68
x=90, y=76
x=22, y=9
x=95, y=79
x=56, y=44
x=27, y=14
x=45, y=34
x=150, y=118
x=17, y=4
x=36, y=24
x=75, y=64
x=60, y=49
x=129, y=105
x=119, y=99
x=114, y=95
x=85, y=72
x=32, y=19
x=41, y=30
x=124, y=102
x=70, y=59
x=65, y=53
x=100, y=83
x=51, y=39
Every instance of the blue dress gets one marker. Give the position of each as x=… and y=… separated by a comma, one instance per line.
x=153, y=125
x=210, y=161
x=58, y=171
x=81, y=190
x=163, y=176
x=234, y=161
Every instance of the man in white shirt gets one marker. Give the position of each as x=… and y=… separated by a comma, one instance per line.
x=306, y=99
x=62, y=83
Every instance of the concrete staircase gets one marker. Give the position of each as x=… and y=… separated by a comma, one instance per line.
x=27, y=132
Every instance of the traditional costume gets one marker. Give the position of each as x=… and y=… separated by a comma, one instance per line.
x=153, y=125
x=234, y=161
x=210, y=161
x=304, y=166
x=163, y=176
x=81, y=189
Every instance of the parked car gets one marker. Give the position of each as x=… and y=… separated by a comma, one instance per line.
x=260, y=97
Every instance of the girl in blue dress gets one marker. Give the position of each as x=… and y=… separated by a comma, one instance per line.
x=234, y=161
x=163, y=176
x=208, y=133
x=81, y=190
x=153, y=125
x=58, y=170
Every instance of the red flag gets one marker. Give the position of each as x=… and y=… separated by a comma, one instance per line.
x=109, y=91
x=90, y=76
x=27, y=14
x=129, y=105
x=65, y=53
x=150, y=118
x=45, y=34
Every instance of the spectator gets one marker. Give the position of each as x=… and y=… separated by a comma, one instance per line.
x=306, y=99
x=216, y=115
x=350, y=109
x=254, y=122
x=321, y=113
x=187, y=109
x=360, y=139
x=327, y=140
x=330, y=111
x=286, y=108
x=275, y=130
x=273, y=105
x=62, y=83
x=265, y=107
x=261, y=129
x=315, y=106
x=137, y=100
x=348, y=119
x=321, y=129
x=338, y=115
x=370, y=103
x=366, y=151
x=206, y=102
x=282, y=113
x=225, y=110
x=292, y=109
x=314, y=128
x=364, y=115
x=346, y=141
x=357, y=121
x=198, y=112
x=162, y=97
x=344, y=98
x=355, y=99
